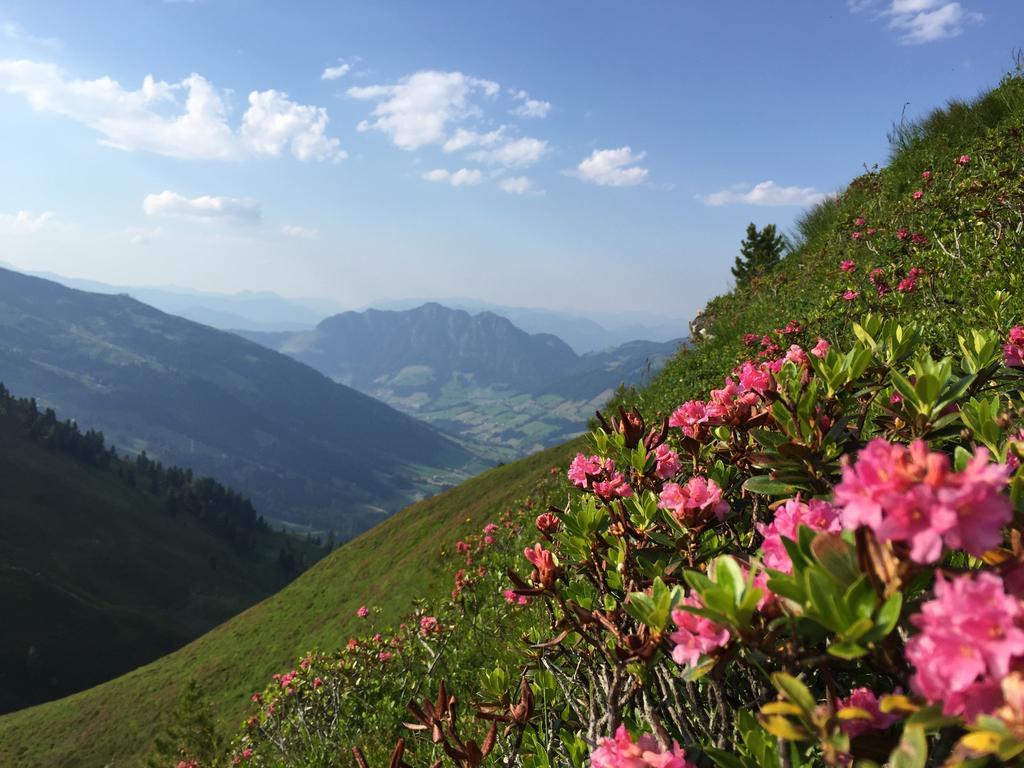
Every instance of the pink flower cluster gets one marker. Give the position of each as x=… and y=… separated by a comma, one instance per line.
x=429, y=625
x=970, y=639
x=695, y=501
x=513, y=599
x=865, y=699
x=695, y=635
x=821, y=348
x=363, y=612
x=815, y=514
x=667, y=462
x=848, y=266
x=1013, y=350
x=622, y=752
x=910, y=494
x=545, y=566
x=597, y=474
x=909, y=283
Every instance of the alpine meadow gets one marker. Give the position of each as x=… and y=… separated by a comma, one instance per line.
x=536, y=386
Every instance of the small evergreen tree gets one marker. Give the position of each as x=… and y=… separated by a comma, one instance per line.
x=189, y=732
x=759, y=252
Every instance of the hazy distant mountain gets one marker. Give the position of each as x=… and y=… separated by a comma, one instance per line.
x=583, y=334
x=479, y=375
x=248, y=310
x=306, y=449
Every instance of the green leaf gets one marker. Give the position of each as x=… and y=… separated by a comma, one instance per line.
x=723, y=758
x=766, y=486
x=795, y=691
x=912, y=751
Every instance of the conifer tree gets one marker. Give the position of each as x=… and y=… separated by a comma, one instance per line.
x=189, y=732
x=759, y=252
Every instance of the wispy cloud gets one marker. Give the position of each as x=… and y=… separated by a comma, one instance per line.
x=519, y=185
x=11, y=30
x=24, y=222
x=142, y=235
x=464, y=177
x=302, y=233
x=515, y=153
x=529, y=107
x=187, y=119
x=767, y=193
x=612, y=168
x=205, y=208
x=920, y=21
x=336, y=73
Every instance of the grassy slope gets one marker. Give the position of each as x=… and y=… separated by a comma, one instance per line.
x=388, y=567
x=101, y=579
x=391, y=564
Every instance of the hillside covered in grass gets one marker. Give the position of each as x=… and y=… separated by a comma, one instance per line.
x=934, y=239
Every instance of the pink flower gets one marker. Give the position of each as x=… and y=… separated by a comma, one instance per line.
x=910, y=495
x=796, y=354
x=963, y=160
x=856, y=235
x=363, y=612
x=815, y=514
x=926, y=175
x=667, y=462
x=692, y=417
x=848, y=265
x=755, y=378
x=461, y=547
x=622, y=752
x=545, y=565
x=851, y=295
x=584, y=468
x=1013, y=350
x=256, y=698
x=429, y=624
x=488, y=540
x=969, y=638
x=694, y=501
x=750, y=339
x=547, y=523
x=792, y=328
x=384, y=656
x=859, y=221
x=918, y=194
x=695, y=635
x=615, y=487
x=902, y=234
x=918, y=239
x=317, y=682
x=871, y=231
x=513, y=599
x=490, y=529
x=864, y=698
x=821, y=348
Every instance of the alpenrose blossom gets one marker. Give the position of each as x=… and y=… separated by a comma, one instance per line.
x=968, y=642
x=695, y=636
x=621, y=751
x=1013, y=350
x=547, y=523
x=667, y=462
x=815, y=514
x=363, y=612
x=910, y=494
x=865, y=699
x=693, y=417
x=851, y=295
x=821, y=348
x=429, y=624
x=848, y=266
x=694, y=501
x=597, y=474
x=545, y=565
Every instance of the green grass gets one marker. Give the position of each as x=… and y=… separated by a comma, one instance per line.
x=388, y=568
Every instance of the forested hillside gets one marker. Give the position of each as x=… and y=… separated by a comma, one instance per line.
x=109, y=562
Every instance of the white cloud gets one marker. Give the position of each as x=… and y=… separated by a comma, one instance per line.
x=142, y=235
x=417, y=110
x=464, y=177
x=519, y=185
x=272, y=122
x=463, y=138
x=612, y=168
x=188, y=119
x=14, y=31
x=530, y=107
x=23, y=222
x=204, y=208
x=767, y=193
x=303, y=233
x=921, y=21
x=336, y=73
x=515, y=153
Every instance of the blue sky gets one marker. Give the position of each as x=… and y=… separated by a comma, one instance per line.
x=570, y=155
